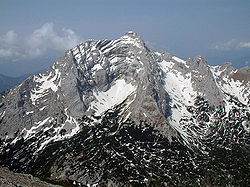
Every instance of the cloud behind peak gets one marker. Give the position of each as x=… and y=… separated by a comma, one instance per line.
x=43, y=39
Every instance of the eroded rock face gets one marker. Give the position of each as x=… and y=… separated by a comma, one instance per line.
x=115, y=112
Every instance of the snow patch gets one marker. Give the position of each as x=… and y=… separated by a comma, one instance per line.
x=78, y=58
x=215, y=70
x=114, y=60
x=129, y=60
x=114, y=96
x=41, y=109
x=237, y=89
x=230, y=86
x=180, y=89
x=130, y=41
x=45, y=84
x=180, y=60
x=97, y=67
x=68, y=124
x=166, y=65
x=34, y=129
x=75, y=50
x=31, y=112
x=2, y=115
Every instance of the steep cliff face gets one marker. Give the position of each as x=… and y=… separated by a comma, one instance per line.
x=115, y=112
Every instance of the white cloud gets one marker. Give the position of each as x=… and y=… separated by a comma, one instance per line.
x=244, y=44
x=229, y=45
x=8, y=53
x=38, y=43
x=10, y=37
x=8, y=44
x=247, y=62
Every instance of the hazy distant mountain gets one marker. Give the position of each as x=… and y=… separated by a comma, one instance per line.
x=7, y=82
x=113, y=112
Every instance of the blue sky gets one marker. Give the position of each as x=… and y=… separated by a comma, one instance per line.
x=34, y=34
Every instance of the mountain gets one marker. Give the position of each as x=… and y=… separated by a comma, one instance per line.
x=7, y=82
x=115, y=113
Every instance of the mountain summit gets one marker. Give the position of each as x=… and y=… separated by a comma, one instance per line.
x=113, y=112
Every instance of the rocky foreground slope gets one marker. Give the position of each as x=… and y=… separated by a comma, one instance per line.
x=11, y=179
x=113, y=112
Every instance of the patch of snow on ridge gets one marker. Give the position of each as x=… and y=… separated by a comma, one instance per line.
x=237, y=89
x=180, y=60
x=178, y=85
x=68, y=124
x=46, y=83
x=166, y=65
x=31, y=112
x=180, y=89
x=32, y=131
x=128, y=40
x=2, y=115
x=114, y=60
x=109, y=48
x=215, y=70
x=230, y=86
x=114, y=96
x=97, y=67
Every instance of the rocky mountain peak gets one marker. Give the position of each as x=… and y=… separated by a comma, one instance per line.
x=132, y=38
x=132, y=34
x=200, y=62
